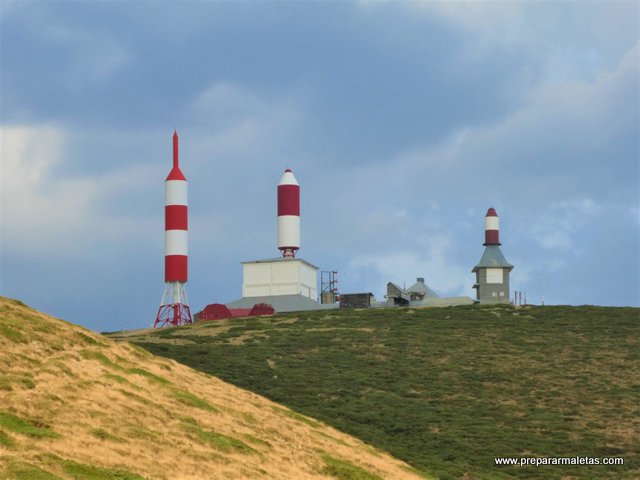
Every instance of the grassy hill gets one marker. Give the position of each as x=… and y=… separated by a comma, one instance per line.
x=446, y=390
x=76, y=405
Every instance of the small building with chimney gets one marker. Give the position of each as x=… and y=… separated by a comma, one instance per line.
x=492, y=271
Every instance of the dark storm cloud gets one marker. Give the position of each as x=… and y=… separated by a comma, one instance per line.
x=135, y=65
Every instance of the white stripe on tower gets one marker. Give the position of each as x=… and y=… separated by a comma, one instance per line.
x=288, y=231
x=492, y=223
x=175, y=242
x=175, y=192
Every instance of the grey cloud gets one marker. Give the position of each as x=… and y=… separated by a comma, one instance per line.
x=402, y=125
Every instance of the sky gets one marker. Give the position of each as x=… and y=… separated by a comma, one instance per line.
x=402, y=121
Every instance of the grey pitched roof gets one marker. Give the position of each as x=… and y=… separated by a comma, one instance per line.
x=417, y=287
x=492, y=258
x=280, y=259
x=423, y=289
x=394, y=290
x=281, y=303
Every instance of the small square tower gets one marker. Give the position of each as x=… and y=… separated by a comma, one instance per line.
x=492, y=272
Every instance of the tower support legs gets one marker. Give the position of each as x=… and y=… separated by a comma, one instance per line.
x=174, y=307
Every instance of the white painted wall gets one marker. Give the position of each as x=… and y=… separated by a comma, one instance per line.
x=308, y=281
x=288, y=277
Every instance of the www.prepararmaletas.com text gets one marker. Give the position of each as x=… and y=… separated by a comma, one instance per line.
x=539, y=461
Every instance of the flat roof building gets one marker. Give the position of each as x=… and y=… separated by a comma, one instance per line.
x=279, y=276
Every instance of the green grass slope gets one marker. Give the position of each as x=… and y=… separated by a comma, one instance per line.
x=446, y=390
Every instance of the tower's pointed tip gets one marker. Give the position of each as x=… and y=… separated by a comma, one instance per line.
x=175, y=148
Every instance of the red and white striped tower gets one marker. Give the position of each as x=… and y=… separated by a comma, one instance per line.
x=174, y=307
x=491, y=228
x=288, y=214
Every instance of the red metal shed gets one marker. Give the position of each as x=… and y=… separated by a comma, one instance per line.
x=262, y=309
x=214, y=311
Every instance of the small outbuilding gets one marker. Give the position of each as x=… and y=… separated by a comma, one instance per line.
x=219, y=311
x=214, y=311
x=356, y=300
x=396, y=296
x=260, y=309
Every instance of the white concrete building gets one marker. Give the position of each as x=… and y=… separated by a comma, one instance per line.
x=279, y=276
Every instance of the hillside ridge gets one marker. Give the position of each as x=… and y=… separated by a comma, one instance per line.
x=444, y=389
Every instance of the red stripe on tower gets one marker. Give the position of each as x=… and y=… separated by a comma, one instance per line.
x=177, y=265
x=491, y=228
x=289, y=200
x=174, y=308
x=175, y=217
x=288, y=214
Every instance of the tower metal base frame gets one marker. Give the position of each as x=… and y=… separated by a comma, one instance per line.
x=174, y=308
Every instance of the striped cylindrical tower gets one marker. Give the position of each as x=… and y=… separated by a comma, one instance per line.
x=175, y=222
x=174, y=307
x=491, y=228
x=288, y=214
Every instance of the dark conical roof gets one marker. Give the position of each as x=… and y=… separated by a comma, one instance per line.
x=492, y=258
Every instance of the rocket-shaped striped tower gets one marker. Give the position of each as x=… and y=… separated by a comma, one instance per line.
x=174, y=307
x=492, y=271
x=288, y=214
x=289, y=283
x=491, y=228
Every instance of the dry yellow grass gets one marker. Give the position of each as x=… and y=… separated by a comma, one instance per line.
x=115, y=406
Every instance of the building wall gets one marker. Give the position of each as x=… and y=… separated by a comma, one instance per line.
x=308, y=281
x=290, y=277
x=445, y=302
x=492, y=292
